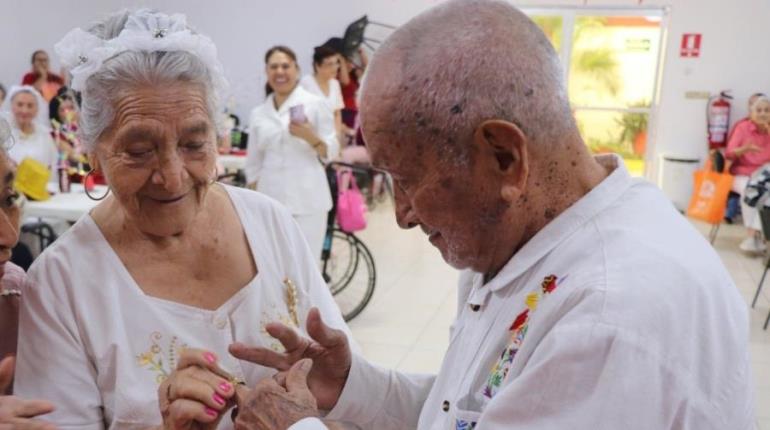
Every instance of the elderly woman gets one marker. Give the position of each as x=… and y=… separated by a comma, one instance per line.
x=13, y=411
x=749, y=149
x=136, y=305
x=30, y=127
x=288, y=134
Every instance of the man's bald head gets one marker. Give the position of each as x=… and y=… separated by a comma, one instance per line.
x=447, y=70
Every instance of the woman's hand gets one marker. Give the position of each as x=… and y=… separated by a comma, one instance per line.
x=18, y=414
x=748, y=148
x=305, y=132
x=327, y=347
x=195, y=396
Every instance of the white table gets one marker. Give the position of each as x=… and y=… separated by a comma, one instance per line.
x=233, y=162
x=64, y=206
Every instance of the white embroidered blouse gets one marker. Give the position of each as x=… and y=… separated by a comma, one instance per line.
x=99, y=347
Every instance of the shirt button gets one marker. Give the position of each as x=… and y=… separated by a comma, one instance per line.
x=475, y=308
x=445, y=406
x=221, y=323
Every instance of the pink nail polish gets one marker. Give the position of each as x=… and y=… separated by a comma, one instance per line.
x=225, y=386
x=211, y=358
x=218, y=399
x=211, y=412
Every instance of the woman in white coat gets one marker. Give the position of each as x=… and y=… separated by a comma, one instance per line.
x=290, y=135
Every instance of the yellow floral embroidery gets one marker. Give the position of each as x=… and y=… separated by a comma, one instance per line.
x=532, y=300
x=289, y=318
x=156, y=361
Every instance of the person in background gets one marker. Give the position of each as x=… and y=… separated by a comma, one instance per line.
x=323, y=83
x=2, y=95
x=15, y=413
x=45, y=82
x=30, y=127
x=63, y=114
x=288, y=134
x=734, y=199
x=350, y=76
x=748, y=149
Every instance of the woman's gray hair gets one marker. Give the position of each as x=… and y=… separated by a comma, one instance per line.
x=131, y=69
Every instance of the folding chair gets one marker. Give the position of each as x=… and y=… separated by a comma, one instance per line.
x=764, y=216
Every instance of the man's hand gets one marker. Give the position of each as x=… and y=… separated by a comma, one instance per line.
x=18, y=414
x=328, y=348
x=270, y=406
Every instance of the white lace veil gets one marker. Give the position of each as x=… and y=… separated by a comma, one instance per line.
x=145, y=30
x=41, y=119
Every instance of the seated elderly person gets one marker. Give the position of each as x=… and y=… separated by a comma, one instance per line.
x=748, y=149
x=31, y=131
x=14, y=412
x=589, y=302
x=136, y=304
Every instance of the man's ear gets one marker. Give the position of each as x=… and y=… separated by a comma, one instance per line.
x=505, y=146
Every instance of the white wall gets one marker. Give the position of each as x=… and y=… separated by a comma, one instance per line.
x=242, y=29
x=734, y=49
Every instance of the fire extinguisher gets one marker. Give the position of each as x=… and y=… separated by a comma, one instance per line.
x=718, y=119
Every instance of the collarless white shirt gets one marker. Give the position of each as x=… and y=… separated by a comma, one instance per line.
x=97, y=347
x=333, y=99
x=644, y=330
x=286, y=167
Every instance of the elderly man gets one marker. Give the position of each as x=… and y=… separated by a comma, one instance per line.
x=588, y=302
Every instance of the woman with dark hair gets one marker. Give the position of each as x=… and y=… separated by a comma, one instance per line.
x=323, y=82
x=45, y=82
x=288, y=134
x=63, y=113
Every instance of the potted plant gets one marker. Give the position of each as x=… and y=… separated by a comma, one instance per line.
x=633, y=129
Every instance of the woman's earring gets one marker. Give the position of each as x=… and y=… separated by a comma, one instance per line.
x=85, y=181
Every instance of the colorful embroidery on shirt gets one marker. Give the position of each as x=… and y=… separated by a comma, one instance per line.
x=158, y=362
x=518, y=330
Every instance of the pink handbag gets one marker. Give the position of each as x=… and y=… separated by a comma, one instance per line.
x=351, y=208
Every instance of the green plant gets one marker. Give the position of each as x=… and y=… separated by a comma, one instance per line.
x=631, y=125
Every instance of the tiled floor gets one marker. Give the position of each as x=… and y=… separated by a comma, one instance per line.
x=406, y=324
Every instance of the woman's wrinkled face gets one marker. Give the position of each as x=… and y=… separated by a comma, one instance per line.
x=282, y=73
x=10, y=211
x=24, y=108
x=760, y=112
x=159, y=156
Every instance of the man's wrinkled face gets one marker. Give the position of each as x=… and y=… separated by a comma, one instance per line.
x=456, y=206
